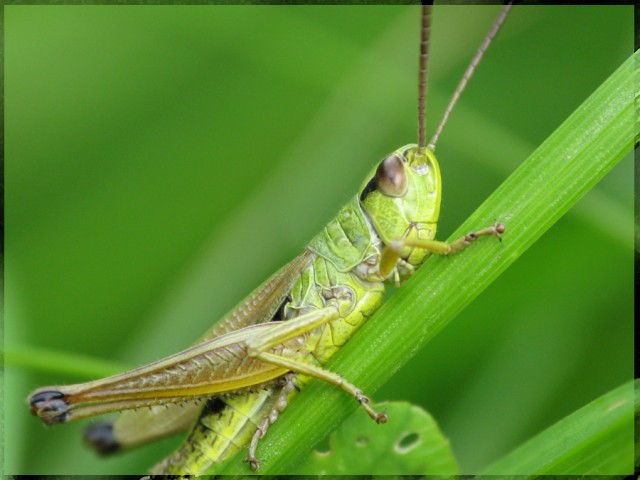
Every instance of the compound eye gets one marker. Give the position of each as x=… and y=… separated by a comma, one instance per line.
x=391, y=177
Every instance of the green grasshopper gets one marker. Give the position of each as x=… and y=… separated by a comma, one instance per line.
x=233, y=384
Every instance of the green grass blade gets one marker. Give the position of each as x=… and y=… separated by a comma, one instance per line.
x=578, y=154
x=595, y=440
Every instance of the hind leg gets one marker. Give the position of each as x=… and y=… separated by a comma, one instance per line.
x=269, y=419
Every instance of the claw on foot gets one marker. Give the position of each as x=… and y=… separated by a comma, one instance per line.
x=254, y=463
x=499, y=229
x=382, y=417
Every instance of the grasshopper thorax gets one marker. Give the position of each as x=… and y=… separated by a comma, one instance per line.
x=401, y=198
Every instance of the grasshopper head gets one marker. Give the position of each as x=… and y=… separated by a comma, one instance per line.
x=402, y=198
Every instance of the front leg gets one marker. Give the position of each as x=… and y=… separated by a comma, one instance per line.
x=391, y=252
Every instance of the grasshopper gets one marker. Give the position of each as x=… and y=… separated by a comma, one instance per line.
x=234, y=383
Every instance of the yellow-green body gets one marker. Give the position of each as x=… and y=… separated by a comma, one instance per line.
x=345, y=256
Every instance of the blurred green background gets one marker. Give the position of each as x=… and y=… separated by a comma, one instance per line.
x=162, y=161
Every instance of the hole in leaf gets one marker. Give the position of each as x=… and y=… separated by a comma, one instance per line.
x=362, y=441
x=323, y=448
x=407, y=443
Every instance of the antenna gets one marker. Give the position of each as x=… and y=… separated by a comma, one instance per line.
x=422, y=82
x=469, y=72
